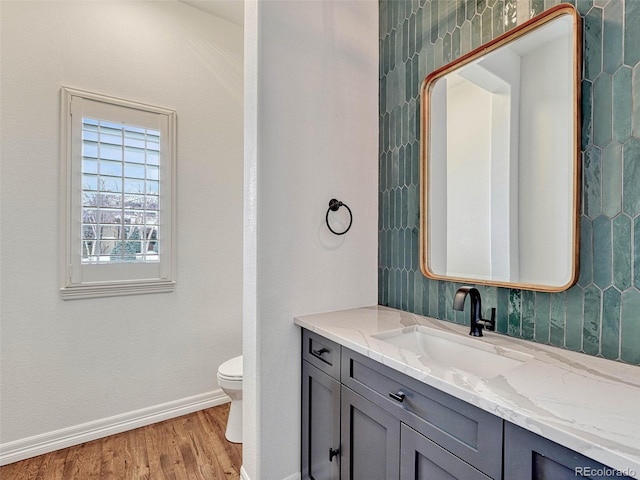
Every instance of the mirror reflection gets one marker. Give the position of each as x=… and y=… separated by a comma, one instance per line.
x=500, y=186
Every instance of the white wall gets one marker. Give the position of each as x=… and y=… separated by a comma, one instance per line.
x=65, y=363
x=468, y=202
x=312, y=111
x=543, y=143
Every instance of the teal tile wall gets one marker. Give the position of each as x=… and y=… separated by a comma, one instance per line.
x=600, y=315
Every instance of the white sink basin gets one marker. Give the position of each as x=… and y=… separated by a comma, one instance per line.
x=438, y=348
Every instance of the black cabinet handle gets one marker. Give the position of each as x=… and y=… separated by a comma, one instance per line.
x=333, y=453
x=398, y=397
x=319, y=353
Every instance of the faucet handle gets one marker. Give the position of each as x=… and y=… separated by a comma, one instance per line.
x=490, y=324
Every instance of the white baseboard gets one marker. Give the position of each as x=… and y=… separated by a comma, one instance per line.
x=48, y=442
x=244, y=476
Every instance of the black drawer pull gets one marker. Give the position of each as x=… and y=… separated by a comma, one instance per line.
x=319, y=353
x=398, y=397
x=333, y=453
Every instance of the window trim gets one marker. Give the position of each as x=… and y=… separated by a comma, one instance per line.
x=69, y=225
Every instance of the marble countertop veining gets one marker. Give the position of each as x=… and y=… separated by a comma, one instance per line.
x=588, y=404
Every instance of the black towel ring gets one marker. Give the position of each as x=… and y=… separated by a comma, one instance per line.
x=334, y=205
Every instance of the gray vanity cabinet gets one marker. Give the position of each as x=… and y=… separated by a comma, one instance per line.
x=362, y=420
x=528, y=456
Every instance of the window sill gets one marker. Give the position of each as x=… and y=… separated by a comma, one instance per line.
x=116, y=289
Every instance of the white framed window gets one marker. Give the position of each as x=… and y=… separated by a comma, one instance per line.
x=118, y=164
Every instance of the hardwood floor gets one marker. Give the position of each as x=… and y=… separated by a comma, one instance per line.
x=191, y=447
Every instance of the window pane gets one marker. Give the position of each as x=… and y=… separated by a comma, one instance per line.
x=151, y=218
x=89, y=149
x=153, y=158
x=127, y=250
x=111, y=168
x=89, y=182
x=133, y=186
x=106, y=247
x=152, y=202
x=91, y=135
x=135, y=155
x=110, y=216
x=89, y=231
x=152, y=173
x=133, y=170
x=110, y=152
x=131, y=232
x=134, y=142
x=133, y=217
x=152, y=187
x=89, y=166
x=109, y=232
x=111, y=139
x=90, y=199
x=88, y=248
x=154, y=247
x=90, y=215
x=111, y=184
x=110, y=200
x=135, y=130
x=111, y=128
x=134, y=201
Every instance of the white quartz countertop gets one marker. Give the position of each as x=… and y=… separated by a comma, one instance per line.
x=588, y=404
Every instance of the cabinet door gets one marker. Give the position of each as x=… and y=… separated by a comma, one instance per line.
x=528, y=456
x=320, y=424
x=370, y=440
x=421, y=459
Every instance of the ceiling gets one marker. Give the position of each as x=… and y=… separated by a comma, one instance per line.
x=231, y=10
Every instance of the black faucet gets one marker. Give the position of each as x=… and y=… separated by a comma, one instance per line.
x=477, y=322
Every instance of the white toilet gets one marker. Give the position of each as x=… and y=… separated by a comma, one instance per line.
x=230, y=381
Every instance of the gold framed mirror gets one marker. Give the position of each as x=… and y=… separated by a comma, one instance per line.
x=500, y=159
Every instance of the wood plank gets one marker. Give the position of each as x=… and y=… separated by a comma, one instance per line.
x=122, y=456
x=191, y=447
x=226, y=456
x=217, y=454
x=108, y=447
x=193, y=450
x=23, y=470
x=81, y=462
x=171, y=456
x=51, y=466
x=10, y=471
x=139, y=455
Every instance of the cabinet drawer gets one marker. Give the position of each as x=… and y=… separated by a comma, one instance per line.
x=321, y=353
x=468, y=432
